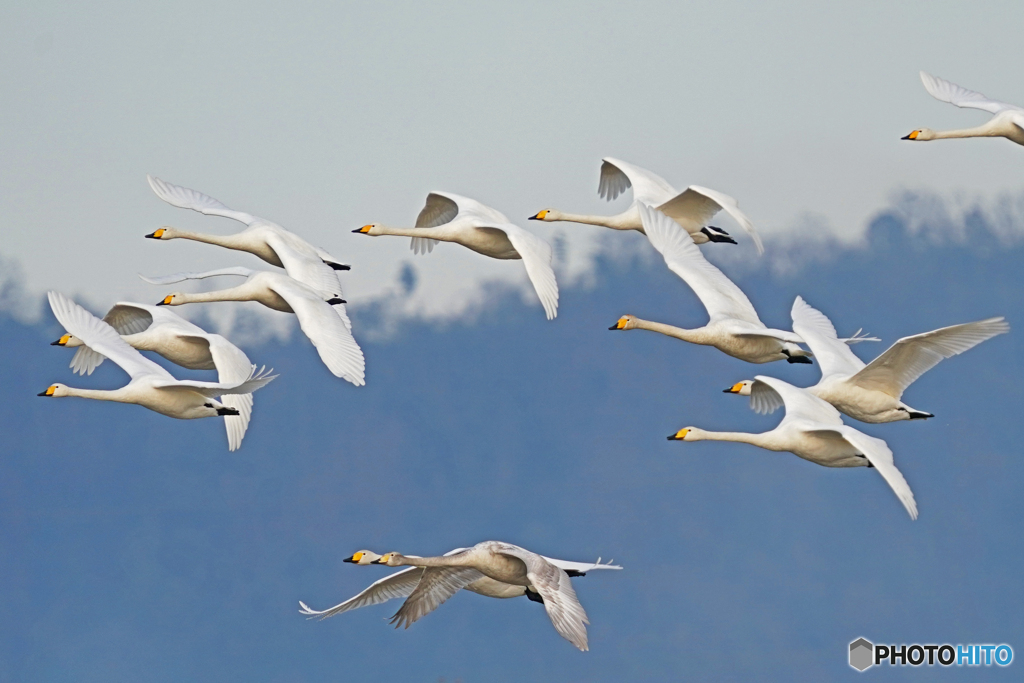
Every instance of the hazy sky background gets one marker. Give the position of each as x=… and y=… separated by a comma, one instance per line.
x=135, y=547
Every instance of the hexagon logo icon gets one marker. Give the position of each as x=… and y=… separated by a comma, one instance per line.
x=862, y=654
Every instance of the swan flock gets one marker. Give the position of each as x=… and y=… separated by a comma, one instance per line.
x=306, y=281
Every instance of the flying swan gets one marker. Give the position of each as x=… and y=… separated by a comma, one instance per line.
x=693, y=208
x=1007, y=119
x=319, y=319
x=734, y=327
x=151, y=328
x=151, y=386
x=402, y=583
x=503, y=562
x=262, y=238
x=871, y=393
x=813, y=430
x=449, y=217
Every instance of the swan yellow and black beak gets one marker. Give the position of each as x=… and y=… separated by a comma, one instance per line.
x=620, y=325
x=734, y=389
x=364, y=230
x=156, y=234
x=63, y=341
x=912, y=136
x=355, y=558
x=539, y=216
x=679, y=436
x=383, y=559
x=166, y=301
x=49, y=391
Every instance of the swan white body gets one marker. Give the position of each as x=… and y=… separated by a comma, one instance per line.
x=322, y=323
x=450, y=217
x=151, y=386
x=693, y=208
x=734, y=327
x=503, y=562
x=152, y=328
x=871, y=392
x=401, y=584
x=262, y=238
x=813, y=430
x=1007, y=119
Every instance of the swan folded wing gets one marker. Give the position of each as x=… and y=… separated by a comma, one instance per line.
x=555, y=587
x=945, y=91
x=536, y=255
x=184, y=198
x=305, y=267
x=800, y=403
x=817, y=331
x=909, y=358
x=617, y=176
x=581, y=567
x=398, y=585
x=325, y=328
x=878, y=454
x=435, y=587
x=233, y=367
x=102, y=338
x=181, y=277
x=720, y=295
x=696, y=206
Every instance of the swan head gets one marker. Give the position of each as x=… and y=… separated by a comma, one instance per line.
x=626, y=322
x=547, y=215
x=172, y=299
x=54, y=390
x=741, y=388
x=68, y=340
x=920, y=134
x=391, y=559
x=370, y=229
x=164, y=233
x=686, y=434
x=363, y=557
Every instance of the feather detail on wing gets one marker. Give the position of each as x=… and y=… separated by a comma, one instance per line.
x=945, y=91
x=536, y=254
x=696, y=206
x=817, y=331
x=397, y=585
x=434, y=588
x=437, y=211
x=878, y=454
x=184, y=198
x=618, y=176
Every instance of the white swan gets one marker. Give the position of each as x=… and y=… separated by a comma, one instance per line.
x=502, y=562
x=151, y=386
x=871, y=393
x=267, y=240
x=401, y=584
x=449, y=217
x=319, y=320
x=693, y=208
x=813, y=430
x=151, y=328
x=1007, y=119
x=734, y=327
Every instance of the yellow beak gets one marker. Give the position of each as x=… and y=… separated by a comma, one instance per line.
x=679, y=436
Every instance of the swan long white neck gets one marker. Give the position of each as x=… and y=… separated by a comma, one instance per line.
x=693, y=336
x=117, y=395
x=239, y=293
x=983, y=131
x=436, y=233
x=227, y=241
x=622, y=221
x=764, y=440
x=448, y=561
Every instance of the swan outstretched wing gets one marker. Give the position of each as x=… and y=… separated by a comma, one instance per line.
x=256, y=380
x=180, y=277
x=536, y=255
x=301, y=262
x=694, y=208
x=184, y=198
x=435, y=587
x=233, y=367
x=910, y=357
x=397, y=585
x=437, y=211
x=878, y=454
x=800, y=403
x=325, y=328
x=814, y=327
x=563, y=607
x=952, y=93
x=720, y=295
x=580, y=568
x=618, y=176
x=102, y=338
